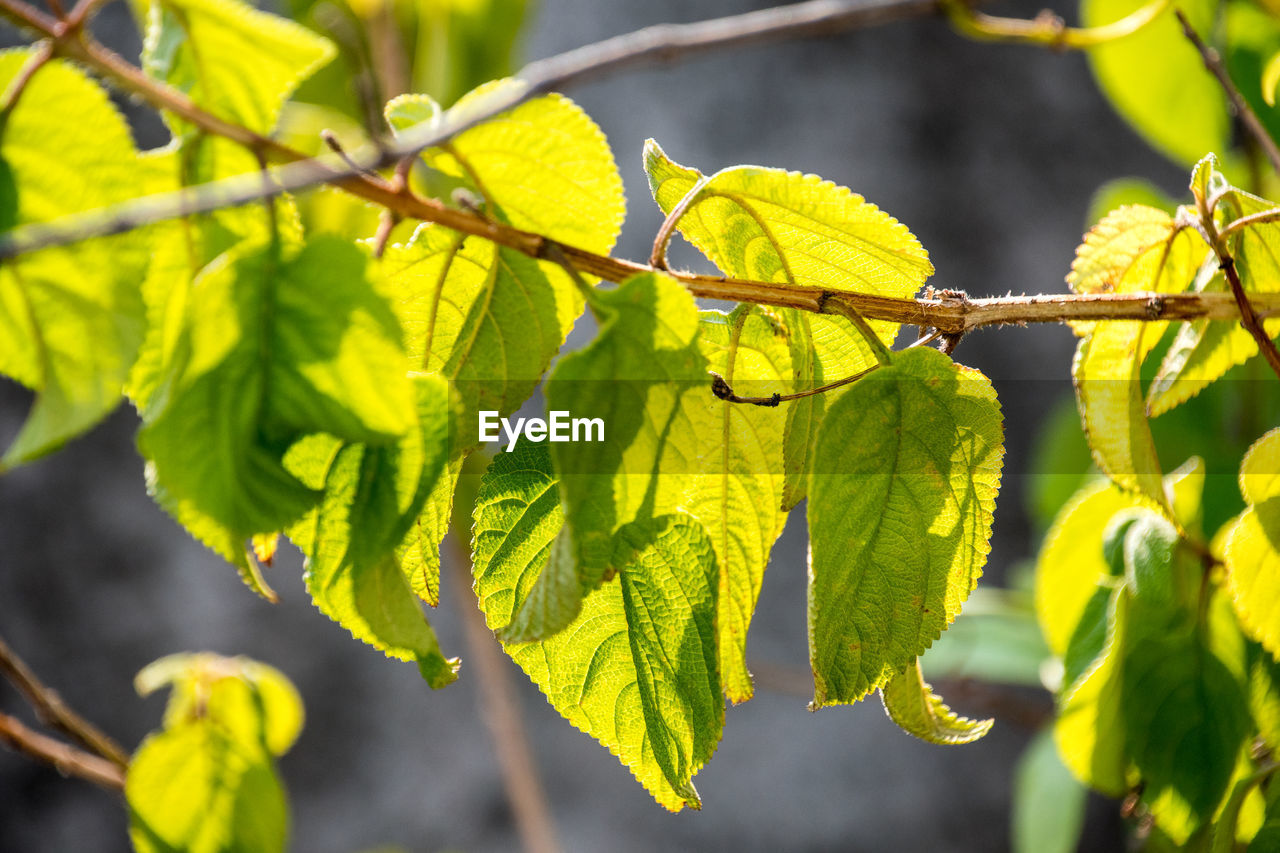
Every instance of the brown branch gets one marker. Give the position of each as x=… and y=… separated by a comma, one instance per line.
x=1213, y=62
x=1247, y=316
x=947, y=314
x=54, y=713
x=66, y=758
x=665, y=43
x=500, y=711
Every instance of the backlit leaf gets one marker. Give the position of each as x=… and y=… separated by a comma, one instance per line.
x=912, y=704
x=231, y=59
x=487, y=318
x=637, y=668
x=899, y=517
x=784, y=227
x=1252, y=551
x=1134, y=249
x=1155, y=79
x=273, y=348
x=71, y=317
x=372, y=495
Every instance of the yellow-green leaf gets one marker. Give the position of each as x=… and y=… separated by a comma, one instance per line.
x=900, y=508
x=490, y=319
x=71, y=317
x=1252, y=551
x=911, y=703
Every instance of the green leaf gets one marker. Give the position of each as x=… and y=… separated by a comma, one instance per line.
x=1150, y=547
x=1204, y=350
x=489, y=318
x=784, y=227
x=1133, y=249
x=1252, y=552
x=372, y=495
x=1071, y=562
x=1185, y=717
x=1271, y=79
x=1048, y=803
x=738, y=490
x=526, y=576
x=912, y=704
x=272, y=348
x=194, y=789
x=637, y=669
x=71, y=317
x=229, y=58
x=648, y=338
x=1155, y=79
x=899, y=517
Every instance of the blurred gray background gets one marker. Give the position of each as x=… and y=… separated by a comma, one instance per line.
x=989, y=153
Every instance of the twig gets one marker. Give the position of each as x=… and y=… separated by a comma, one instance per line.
x=1247, y=317
x=43, y=53
x=721, y=388
x=500, y=710
x=665, y=43
x=1047, y=29
x=1213, y=62
x=53, y=712
x=947, y=315
x=68, y=759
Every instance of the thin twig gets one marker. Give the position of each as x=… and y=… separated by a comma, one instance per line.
x=1250, y=320
x=38, y=59
x=665, y=43
x=1213, y=62
x=54, y=713
x=1047, y=29
x=66, y=758
x=946, y=314
x=500, y=710
x=721, y=388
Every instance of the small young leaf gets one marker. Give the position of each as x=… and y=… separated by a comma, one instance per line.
x=254, y=703
x=912, y=704
x=899, y=517
x=207, y=783
x=192, y=788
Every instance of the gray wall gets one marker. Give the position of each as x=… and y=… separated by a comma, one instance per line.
x=989, y=153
